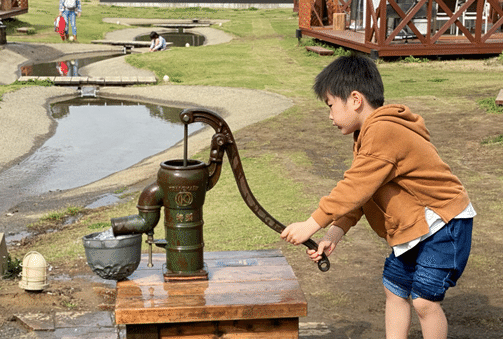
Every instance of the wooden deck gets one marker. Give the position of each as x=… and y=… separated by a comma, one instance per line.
x=13, y=12
x=402, y=28
x=446, y=45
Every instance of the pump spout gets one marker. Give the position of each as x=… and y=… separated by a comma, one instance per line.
x=149, y=213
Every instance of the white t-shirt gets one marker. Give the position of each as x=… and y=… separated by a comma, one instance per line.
x=436, y=223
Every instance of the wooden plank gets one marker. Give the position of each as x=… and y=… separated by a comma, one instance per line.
x=241, y=329
x=320, y=50
x=499, y=98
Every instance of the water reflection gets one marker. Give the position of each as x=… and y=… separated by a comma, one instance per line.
x=178, y=39
x=94, y=139
x=67, y=67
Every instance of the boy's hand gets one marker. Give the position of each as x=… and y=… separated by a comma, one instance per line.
x=327, y=244
x=324, y=246
x=299, y=232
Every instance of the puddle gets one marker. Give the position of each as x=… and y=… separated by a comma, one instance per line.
x=104, y=200
x=94, y=138
x=178, y=39
x=11, y=238
x=65, y=67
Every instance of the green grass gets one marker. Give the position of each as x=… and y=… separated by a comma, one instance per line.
x=489, y=105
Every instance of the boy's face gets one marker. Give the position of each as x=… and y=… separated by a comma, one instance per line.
x=343, y=114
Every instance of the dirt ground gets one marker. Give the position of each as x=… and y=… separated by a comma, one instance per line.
x=348, y=299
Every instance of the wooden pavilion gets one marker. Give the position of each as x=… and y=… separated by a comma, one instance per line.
x=10, y=8
x=406, y=27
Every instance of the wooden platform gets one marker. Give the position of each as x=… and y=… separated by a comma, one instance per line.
x=249, y=294
x=99, y=81
x=13, y=12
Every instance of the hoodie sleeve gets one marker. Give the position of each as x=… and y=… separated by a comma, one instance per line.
x=360, y=182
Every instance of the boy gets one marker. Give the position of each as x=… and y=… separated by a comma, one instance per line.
x=408, y=194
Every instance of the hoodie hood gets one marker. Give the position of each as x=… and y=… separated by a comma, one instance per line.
x=398, y=114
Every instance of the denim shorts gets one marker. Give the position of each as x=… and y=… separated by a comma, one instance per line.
x=432, y=266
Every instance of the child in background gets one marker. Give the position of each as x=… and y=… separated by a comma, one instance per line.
x=69, y=10
x=158, y=42
x=408, y=194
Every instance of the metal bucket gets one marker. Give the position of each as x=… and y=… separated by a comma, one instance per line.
x=114, y=258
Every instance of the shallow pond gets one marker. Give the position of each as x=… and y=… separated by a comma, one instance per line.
x=94, y=138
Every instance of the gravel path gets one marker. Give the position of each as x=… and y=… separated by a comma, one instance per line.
x=26, y=123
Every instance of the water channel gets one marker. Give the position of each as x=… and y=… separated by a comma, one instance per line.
x=66, y=67
x=94, y=138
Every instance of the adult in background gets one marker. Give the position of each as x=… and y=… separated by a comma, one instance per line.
x=69, y=10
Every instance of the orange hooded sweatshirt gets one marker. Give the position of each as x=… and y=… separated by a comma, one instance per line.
x=396, y=173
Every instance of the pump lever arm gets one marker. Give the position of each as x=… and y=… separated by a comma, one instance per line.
x=225, y=142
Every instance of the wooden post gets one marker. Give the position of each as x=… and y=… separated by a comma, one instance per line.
x=339, y=21
x=3, y=255
x=305, y=14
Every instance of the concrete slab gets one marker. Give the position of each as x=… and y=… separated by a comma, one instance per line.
x=129, y=80
x=83, y=319
x=36, y=321
x=113, y=81
x=27, y=78
x=62, y=81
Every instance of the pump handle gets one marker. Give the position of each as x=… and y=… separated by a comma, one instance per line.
x=223, y=140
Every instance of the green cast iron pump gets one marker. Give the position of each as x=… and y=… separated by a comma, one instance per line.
x=181, y=188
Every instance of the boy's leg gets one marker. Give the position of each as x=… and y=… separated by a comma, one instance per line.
x=432, y=318
x=397, y=316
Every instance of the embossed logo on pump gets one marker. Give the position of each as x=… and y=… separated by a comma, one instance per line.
x=184, y=198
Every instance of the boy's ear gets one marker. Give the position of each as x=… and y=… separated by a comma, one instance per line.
x=356, y=99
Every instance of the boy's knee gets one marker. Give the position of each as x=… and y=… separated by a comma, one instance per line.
x=426, y=307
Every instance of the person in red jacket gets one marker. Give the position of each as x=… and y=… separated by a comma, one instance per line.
x=407, y=193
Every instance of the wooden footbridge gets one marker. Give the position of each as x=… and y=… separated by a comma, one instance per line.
x=405, y=27
x=93, y=81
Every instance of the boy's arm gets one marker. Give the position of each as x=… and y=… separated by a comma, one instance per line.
x=299, y=232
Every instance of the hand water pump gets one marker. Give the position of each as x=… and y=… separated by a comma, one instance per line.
x=181, y=188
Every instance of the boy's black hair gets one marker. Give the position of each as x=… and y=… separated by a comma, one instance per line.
x=351, y=73
x=153, y=35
